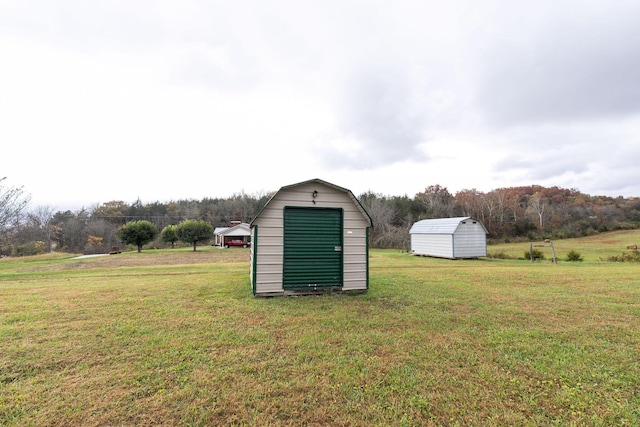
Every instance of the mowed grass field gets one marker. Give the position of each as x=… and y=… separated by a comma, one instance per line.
x=598, y=247
x=175, y=337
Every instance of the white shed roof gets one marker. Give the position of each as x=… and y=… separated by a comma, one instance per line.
x=439, y=225
x=241, y=229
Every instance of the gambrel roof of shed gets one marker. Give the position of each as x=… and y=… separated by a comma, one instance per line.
x=365, y=214
x=440, y=225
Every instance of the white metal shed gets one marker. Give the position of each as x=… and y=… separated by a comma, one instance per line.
x=310, y=237
x=459, y=237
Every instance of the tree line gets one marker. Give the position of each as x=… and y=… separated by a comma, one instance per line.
x=511, y=213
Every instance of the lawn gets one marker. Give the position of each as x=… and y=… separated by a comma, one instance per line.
x=598, y=247
x=175, y=337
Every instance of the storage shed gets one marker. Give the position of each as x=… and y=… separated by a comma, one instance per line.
x=460, y=237
x=310, y=237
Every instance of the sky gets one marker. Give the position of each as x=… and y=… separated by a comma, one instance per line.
x=172, y=100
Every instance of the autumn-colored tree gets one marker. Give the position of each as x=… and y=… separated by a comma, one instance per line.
x=506, y=213
x=113, y=212
x=469, y=202
x=94, y=245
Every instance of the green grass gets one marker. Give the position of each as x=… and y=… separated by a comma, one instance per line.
x=176, y=338
x=594, y=248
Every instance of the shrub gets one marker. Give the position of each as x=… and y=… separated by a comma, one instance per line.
x=624, y=257
x=28, y=249
x=94, y=245
x=574, y=256
x=537, y=254
x=500, y=255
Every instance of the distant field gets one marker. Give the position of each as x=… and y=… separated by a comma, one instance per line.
x=174, y=337
x=593, y=248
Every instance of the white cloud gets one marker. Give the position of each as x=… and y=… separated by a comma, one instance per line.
x=120, y=100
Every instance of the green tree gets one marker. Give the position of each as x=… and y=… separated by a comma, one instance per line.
x=137, y=233
x=194, y=231
x=169, y=234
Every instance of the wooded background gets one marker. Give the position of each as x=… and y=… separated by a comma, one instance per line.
x=509, y=214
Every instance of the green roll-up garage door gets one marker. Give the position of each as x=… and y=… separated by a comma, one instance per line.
x=312, y=248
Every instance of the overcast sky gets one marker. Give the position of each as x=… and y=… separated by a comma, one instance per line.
x=161, y=100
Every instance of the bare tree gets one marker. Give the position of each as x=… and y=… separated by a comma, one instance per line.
x=490, y=205
x=501, y=197
x=438, y=201
x=13, y=202
x=382, y=213
x=539, y=205
x=40, y=218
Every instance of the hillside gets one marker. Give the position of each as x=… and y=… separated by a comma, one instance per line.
x=595, y=248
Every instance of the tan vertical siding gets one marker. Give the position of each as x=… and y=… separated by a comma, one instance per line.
x=270, y=239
